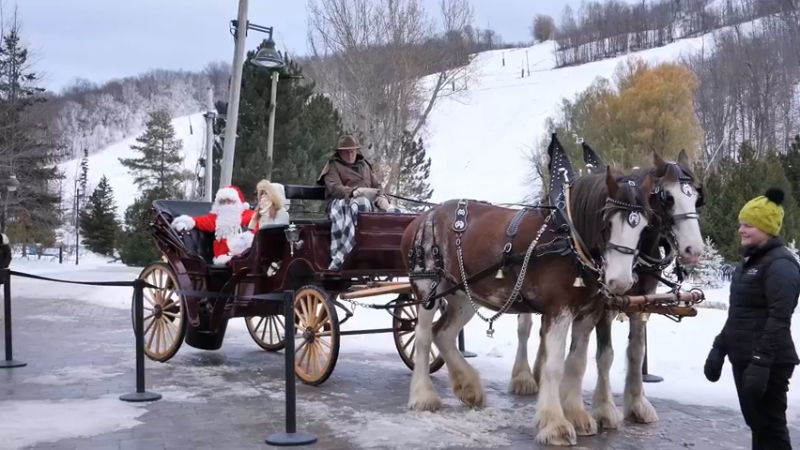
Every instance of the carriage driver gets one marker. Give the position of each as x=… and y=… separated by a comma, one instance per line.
x=348, y=175
x=350, y=187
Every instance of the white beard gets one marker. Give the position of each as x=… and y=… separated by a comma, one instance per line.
x=229, y=220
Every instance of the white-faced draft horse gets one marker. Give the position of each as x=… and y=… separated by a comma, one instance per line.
x=674, y=201
x=470, y=254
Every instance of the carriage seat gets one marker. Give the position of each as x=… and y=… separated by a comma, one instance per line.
x=196, y=242
x=305, y=192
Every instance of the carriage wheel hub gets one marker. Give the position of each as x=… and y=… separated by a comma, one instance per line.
x=308, y=334
x=157, y=311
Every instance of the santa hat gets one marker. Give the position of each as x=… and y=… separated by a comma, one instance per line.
x=232, y=193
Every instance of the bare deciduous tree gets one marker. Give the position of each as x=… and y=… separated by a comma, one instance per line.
x=386, y=63
x=543, y=28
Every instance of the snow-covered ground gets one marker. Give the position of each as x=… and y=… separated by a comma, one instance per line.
x=677, y=351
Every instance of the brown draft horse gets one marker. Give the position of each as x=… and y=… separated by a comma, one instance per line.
x=454, y=249
x=674, y=202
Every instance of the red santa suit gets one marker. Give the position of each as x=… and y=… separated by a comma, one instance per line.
x=228, y=222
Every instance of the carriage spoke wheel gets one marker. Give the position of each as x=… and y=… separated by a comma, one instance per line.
x=406, y=340
x=268, y=332
x=316, y=335
x=164, y=315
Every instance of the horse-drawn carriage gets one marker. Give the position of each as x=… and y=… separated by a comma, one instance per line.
x=196, y=298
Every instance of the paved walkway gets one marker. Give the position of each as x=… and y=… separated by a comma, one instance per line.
x=80, y=359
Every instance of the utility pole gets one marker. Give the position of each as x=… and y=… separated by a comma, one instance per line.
x=210, y=115
x=272, y=105
x=232, y=116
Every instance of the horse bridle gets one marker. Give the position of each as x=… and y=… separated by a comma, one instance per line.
x=635, y=213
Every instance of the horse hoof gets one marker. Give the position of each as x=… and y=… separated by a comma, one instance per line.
x=467, y=387
x=559, y=432
x=641, y=411
x=523, y=384
x=431, y=404
x=584, y=423
x=607, y=416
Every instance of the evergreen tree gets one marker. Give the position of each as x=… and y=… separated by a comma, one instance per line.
x=706, y=273
x=135, y=242
x=28, y=149
x=306, y=129
x=415, y=170
x=159, y=164
x=99, y=223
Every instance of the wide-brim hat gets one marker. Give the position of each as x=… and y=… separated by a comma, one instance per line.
x=348, y=142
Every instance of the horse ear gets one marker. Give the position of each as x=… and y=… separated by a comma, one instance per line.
x=611, y=183
x=647, y=186
x=683, y=158
x=657, y=159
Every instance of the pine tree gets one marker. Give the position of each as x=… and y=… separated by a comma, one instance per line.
x=159, y=164
x=99, y=223
x=415, y=170
x=306, y=129
x=135, y=242
x=706, y=273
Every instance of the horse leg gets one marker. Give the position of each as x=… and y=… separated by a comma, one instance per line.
x=423, y=396
x=572, y=383
x=636, y=405
x=522, y=381
x=604, y=410
x=464, y=378
x=541, y=354
x=554, y=428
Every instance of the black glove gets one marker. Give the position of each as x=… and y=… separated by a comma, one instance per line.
x=756, y=377
x=714, y=363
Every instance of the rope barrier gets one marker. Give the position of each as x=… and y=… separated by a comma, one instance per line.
x=291, y=437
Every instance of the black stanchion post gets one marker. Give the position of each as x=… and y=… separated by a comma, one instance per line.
x=648, y=377
x=9, y=362
x=462, y=346
x=291, y=437
x=138, y=303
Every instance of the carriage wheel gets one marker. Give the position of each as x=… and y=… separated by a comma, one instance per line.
x=268, y=332
x=317, y=326
x=164, y=314
x=406, y=341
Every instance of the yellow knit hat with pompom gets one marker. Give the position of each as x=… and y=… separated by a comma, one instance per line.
x=765, y=211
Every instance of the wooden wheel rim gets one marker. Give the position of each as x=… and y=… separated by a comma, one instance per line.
x=316, y=336
x=408, y=347
x=163, y=313
x=271, y=327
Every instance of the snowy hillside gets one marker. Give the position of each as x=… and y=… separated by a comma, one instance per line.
x=478, y=144
x=190, y=129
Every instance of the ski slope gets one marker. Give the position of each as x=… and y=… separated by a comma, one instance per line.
x=189, y=129
x=478, y=144
x=477, y=141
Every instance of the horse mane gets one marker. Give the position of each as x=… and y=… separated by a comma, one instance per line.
x=588, y=200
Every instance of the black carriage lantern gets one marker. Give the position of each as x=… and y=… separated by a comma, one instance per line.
x=293, y=237
x=12, y=183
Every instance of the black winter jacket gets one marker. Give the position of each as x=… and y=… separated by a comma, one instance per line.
x=764, y=291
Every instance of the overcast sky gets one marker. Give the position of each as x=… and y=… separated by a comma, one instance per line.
x=105, y=39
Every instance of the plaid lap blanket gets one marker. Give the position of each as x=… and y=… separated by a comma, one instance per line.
x=343, y=214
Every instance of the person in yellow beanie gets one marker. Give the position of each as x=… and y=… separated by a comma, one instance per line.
x=757, y=337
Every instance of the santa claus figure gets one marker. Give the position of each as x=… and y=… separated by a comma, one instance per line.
x=272, y=206
x=227, y=220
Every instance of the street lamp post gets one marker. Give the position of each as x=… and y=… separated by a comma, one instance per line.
x=266, y=57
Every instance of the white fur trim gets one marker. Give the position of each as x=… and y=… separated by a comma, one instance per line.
x=221, y=260
x=246, y=205
x=5, y=239
x=239, y=243
x=182, y=223
x=227, y=194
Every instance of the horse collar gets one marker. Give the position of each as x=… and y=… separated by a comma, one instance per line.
x=460, y=222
